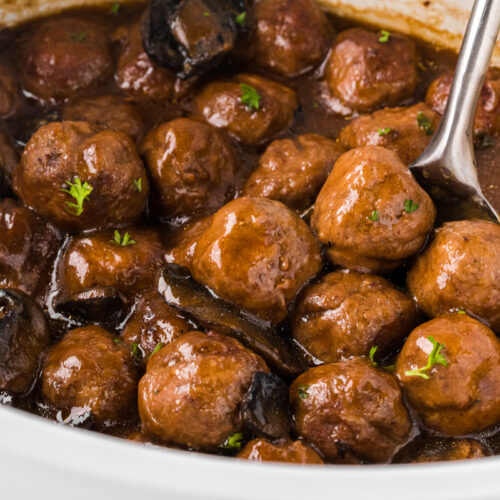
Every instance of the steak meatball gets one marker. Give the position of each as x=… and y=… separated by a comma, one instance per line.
x=88, y=371
x=449, y=369
x=263, y=450
x=256, y=254
x=289, y=37
x=364, y=72
x=371, y=213
x=293, y=170
x=80, y=178
x=192, y=168
x=345, y=314
x=251, y=108
x=350, y=409
x=10, y=96
x=460, y=269
x=65, y=55
x=193, y=387
x=406, y=131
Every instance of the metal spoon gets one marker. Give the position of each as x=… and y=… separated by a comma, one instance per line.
x=447, y=168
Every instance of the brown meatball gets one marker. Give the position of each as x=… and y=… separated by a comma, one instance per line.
x=350, y=408
x=65, y=55
x=106, y=112
x=293, y=170
x=10, y=96
x=153, y=323
x=75, y=152
x=98, y=260
x=28, y=247
x=487, y=119
x=460, y=269
x=87, y=370
x=461, y=394
x=9, y=158
x=365, y=73
x=456, y=449
x=193, y=388
x=257, y=254
x=396, y=129
x=192, y=167
x=371, y=212
x=263, y=450
x=24, y=338
x=289, y=37
x=345, y=314
x=271, y=110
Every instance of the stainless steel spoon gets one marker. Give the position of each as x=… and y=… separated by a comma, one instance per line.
x=447, y=168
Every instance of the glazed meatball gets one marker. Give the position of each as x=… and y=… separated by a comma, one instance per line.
x=456, y=449
x=371, y=213
x=65, y=55
x=251, y=108
x=449, y=369
x=109, y=259
x=10, y=97
x=406, y=131
x=87, y=370
x=107, y=112
x=193, y=387
x=192, y=168
x=289, y=37
x=153, y=323
x=487, y=120
x=28, y=247
x=345, y=314
x=256, y=254
x=24, y=338
x=101, y=169
x=293, y=170
x=365, y=73
x=460, y=269
x=350, y=409
x=263, y=450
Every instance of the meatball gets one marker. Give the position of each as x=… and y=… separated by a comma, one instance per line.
x=24, y=338
x=456, y=449
x=487, y=119
x=256, y=254
x=364, y=72
x=289, y=37
x=87, y=370
x=28, y=247
x=460, y=269
x=345, y=314
x=193, y=387
x=100, y=169
x=65, y=55
x=449, y=369
x=406, y=131
x=293, y=170
x=153, y=323
x=9, y=158
x=251, y=108
x=263, y=450
x=350, y=409
x=127, y=264
x=106, y=112
x=192, y=167
x=10, y=96
x=371, y=212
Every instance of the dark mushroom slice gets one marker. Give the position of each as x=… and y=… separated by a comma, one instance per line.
x=24, y=336
x=191, y=36
x=181, y=291
x=264, y=409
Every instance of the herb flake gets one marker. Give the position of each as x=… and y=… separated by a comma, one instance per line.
x=373, y=350
x=302, y=390
x=79, y=37
x=241, y=18
x=384, y=37
x=250, y=97
x=79, y=192
x=115, y=8
x=123, y=241
x=157, y=348
x=410, y=206
x=425, y=123
x=233, y=442
x=138, y=184
x=374, y=216
x=435, y=358
x=384, y=131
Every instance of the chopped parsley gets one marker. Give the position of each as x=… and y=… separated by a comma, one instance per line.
x=79, y=37
x=302, y=390
x=117, y=340
x=136, y=353
x=241, y=18
x=157, y=348
x=410, y=206
x=206, y=13
x=373, y=350
x=115, y=8
x=384, y=131
x=79, y=192
x=461, y=311
x=138, y=184
x=374, y=216
x=123, y=241
x=384, y=36
x=425, y=123
x=233, y=442
x=250, y=97
x=435, y=358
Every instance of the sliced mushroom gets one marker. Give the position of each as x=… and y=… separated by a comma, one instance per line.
x=181, y=291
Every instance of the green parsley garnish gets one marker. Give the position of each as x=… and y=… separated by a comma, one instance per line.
x=136, y=353
x=302, y=390
x=241, y=18
x=410, y=206
x=123, y=241
x=79, y=37
x=425, y=123
x=138, y=184
x=117, y=341
x=384, y=131
x=233, y=442
x=206, y=13
x=373, y=350
x=374, y=216
x=115, y=8
x=384, y=36
x=435, y=357
x=79, y=192
x=461, y=311
x=157, y=348
x=250, y=97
